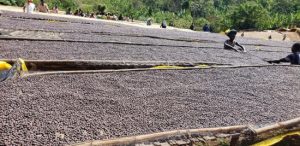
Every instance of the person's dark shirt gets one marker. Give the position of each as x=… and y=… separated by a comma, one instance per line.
x=293, y=58
x=149, y=21
x=206, y=28
x=164, y=24
x=192, y=27
x=228, y=42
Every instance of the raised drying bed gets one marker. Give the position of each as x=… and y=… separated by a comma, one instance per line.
x=72, y=108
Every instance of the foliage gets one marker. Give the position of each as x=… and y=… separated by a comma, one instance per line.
x=297, y=19
x=5, y=2
x=8, y=2
x=250, y=15
x=223, y=143
x=199, y=23
x=100, y=9
x=202, y=8
x=183, y=22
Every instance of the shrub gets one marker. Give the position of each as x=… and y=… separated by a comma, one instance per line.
x=20, y=3
x=183, y=23
x=160, y=16
x=5, y=2
x=199, y=23
x=250, y=15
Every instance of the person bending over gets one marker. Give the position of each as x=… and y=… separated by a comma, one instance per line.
x=149, y=21
x=163, y=24
x=293, y=58
x=69, y=11
x=55, y=9
x=192, y=27
x=43, y=7
x=231, y=44
x=206, y=28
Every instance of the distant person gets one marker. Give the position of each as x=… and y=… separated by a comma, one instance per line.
x=55, y=9
x=149, y=21
x=284, y=37
x=192, y=27
x=92, y=15
x=43, y=7
x=69, y=11
x=108, y=16
x=76, y=13
x=121, y=17
x=163, y=24
x=29, y=7
x=206, y=28
x=115, y=17
x=80, y=13
x=293, y=58
x=231, y=44
x=127, y=19
x=270, y=37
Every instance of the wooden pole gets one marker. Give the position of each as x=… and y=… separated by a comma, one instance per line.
x=103, y=42
x=80, y=65
x=280, y=125
x=127, y=70
x=161, y=135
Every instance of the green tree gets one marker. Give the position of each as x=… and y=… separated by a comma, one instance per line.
x=202, y=8
x=185, y=5
x=285, y=6
x=100, y=9
x=250, y=15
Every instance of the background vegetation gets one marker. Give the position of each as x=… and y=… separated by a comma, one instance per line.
x=220, y=14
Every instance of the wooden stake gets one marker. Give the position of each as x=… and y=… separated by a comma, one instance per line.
x=280, y=125
x=161, y=135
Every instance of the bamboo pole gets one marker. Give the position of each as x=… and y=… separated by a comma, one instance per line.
x=161, y=135
x=154, y=63
x=50, y=67
x=79, y=65
x=133, y=35
x=97, y=71
x=103, y=42
x=280, y=125
x=116, y=61
x=134, y=69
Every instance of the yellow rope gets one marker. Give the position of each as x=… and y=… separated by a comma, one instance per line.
x=167, y=67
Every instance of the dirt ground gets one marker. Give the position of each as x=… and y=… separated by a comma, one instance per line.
x=276, y=36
